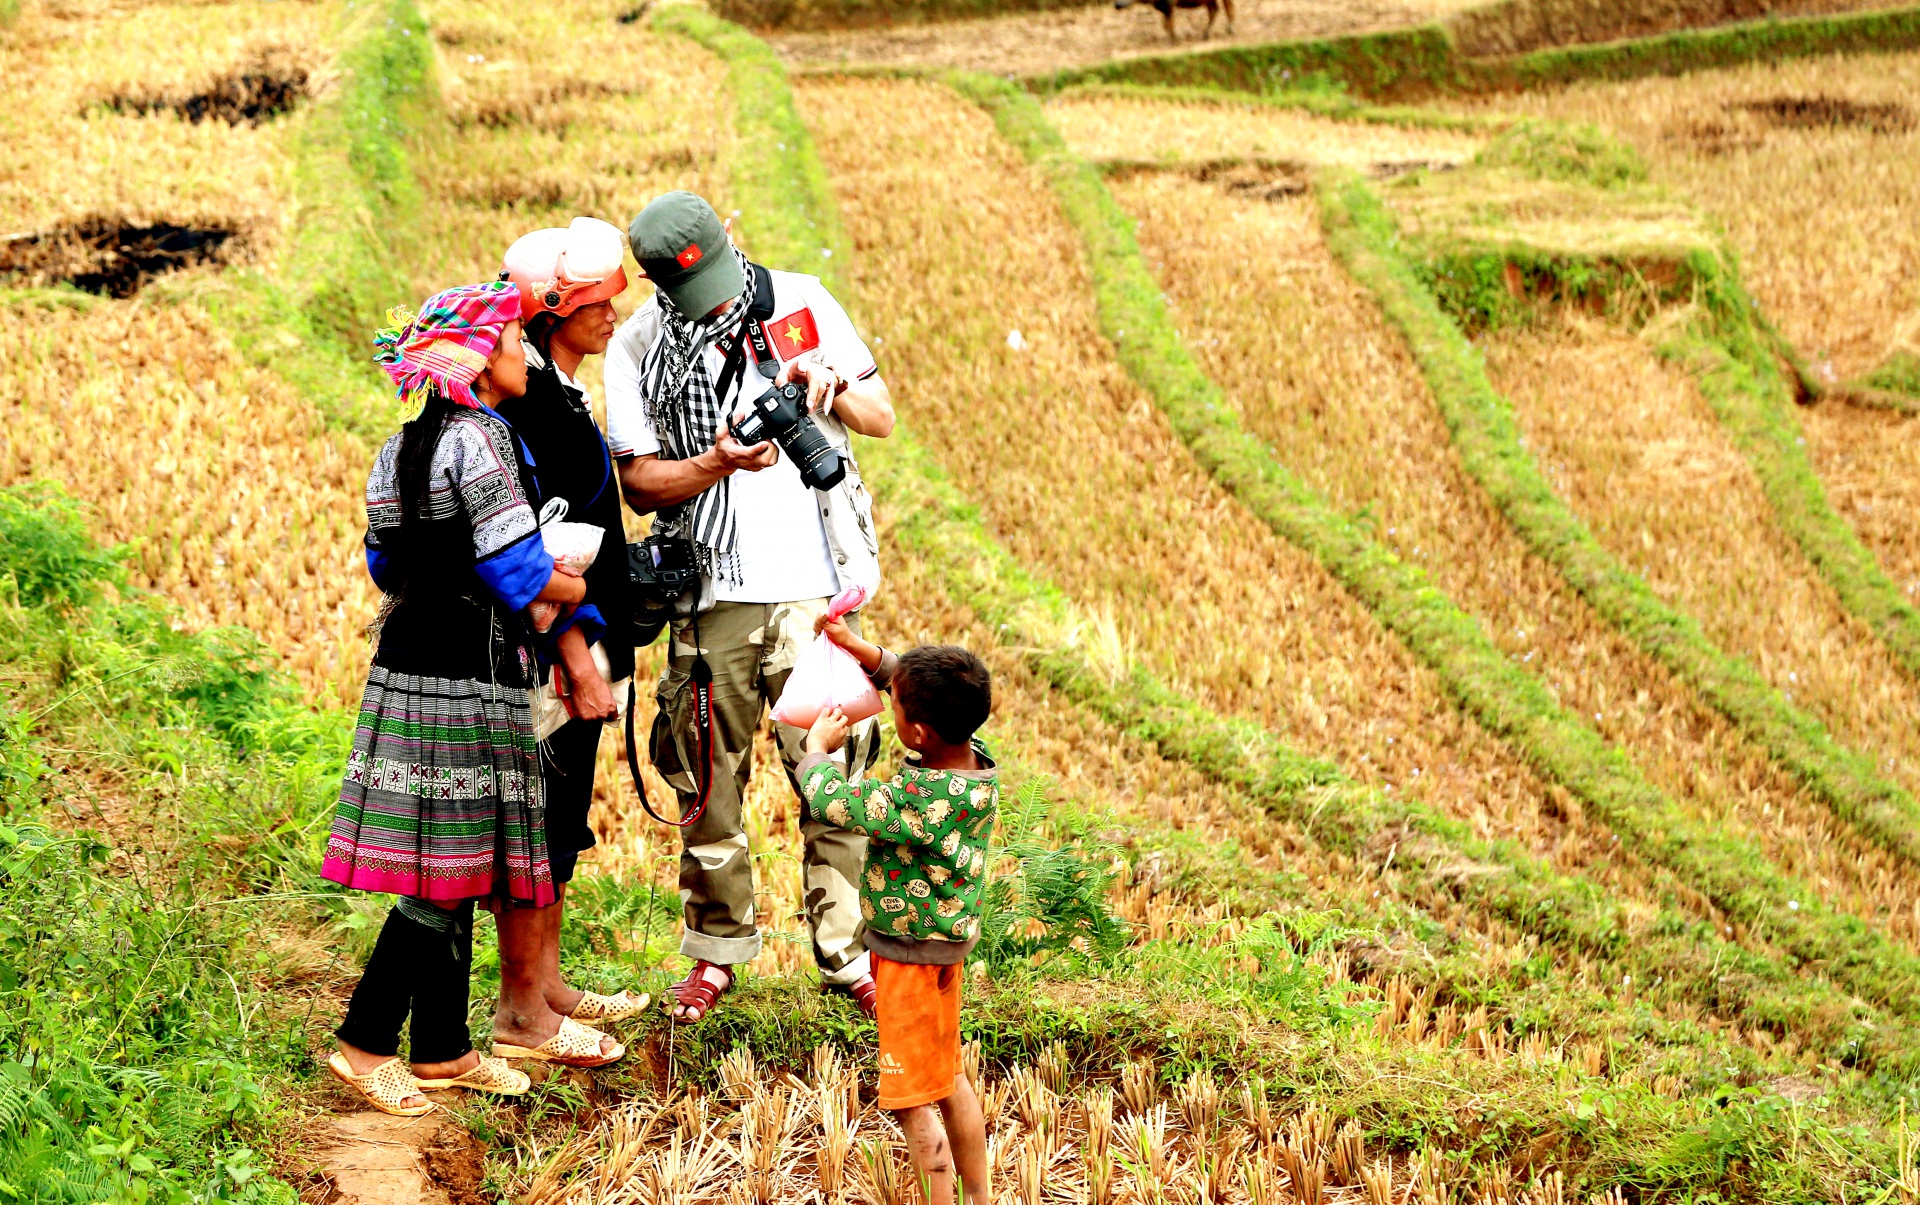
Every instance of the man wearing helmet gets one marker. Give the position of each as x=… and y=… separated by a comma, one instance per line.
x=568, y=278
x=770, y=550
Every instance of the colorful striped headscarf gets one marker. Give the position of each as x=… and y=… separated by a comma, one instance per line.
x=446, y=345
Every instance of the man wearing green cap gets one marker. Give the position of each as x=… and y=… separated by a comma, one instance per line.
x=772, y=552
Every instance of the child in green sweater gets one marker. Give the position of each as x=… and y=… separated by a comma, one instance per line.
x=926, y=830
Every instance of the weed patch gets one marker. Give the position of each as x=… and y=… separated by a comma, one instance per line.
x=101, y=255
x=142, y=1029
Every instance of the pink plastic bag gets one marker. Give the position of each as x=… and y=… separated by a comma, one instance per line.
x=826, y=676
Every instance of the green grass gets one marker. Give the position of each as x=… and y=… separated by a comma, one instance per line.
x=1402, y=63
x=1507, y=700
x=1485, y=430
x=144, y=1028
x=1701, y=49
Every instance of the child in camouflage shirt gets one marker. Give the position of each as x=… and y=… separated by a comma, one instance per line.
x=926, y=831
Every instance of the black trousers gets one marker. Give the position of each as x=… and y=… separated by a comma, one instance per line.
x=420, y=969
x=566, y=771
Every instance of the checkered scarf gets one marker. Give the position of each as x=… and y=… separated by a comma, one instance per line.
x=446, y=345
x=687, y=414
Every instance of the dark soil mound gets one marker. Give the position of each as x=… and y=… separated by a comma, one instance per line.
x=104, y=256
x=249, y=98
x=1825, y=112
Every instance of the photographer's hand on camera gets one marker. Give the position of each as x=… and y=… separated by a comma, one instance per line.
x=866, y=407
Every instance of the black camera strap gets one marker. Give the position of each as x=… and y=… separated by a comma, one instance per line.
x=735, y=352
x=702, y=678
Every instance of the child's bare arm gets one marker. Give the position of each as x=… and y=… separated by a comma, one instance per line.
x=867, y=653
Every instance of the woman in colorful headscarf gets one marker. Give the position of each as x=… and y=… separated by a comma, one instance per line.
x=567, y=278
x=441, y=803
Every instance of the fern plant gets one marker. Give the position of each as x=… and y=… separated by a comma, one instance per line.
x=1052, y=900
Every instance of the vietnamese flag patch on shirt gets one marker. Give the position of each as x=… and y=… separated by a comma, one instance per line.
x=794, y=334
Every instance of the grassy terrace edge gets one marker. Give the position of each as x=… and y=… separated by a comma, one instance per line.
x=1425, y=60
x=1362, y=233
x=1730, y=351
x=1510, y=702
x=941, y=526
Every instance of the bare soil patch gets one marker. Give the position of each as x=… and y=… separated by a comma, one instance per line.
x=258, y=94
x=107, y=256
x=1829, y=112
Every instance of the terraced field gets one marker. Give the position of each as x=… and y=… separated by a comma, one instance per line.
x=1497, y=798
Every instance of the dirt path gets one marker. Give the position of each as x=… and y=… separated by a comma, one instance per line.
x=1030, y=43
x=369, y=1158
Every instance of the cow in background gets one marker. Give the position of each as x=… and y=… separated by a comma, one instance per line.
x=1166, y=7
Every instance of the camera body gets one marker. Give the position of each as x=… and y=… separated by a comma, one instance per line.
x=780, y=414
x=660, y=569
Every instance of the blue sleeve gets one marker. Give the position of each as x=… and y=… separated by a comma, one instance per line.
x=380, y=569
x=517, y=572
x=586, y=617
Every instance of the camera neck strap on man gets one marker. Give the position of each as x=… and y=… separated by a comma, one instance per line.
x=734, y=349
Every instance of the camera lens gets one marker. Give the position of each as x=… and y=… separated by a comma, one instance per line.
x=820, y=463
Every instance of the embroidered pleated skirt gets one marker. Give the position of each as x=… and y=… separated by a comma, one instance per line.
x=441, y=797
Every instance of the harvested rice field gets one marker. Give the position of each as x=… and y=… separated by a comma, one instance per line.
x=1281, y=911
x=1632, y=445
x=1254, y=287
x=1099, y=493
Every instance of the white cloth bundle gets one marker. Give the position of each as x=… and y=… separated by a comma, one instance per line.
x=573, y=547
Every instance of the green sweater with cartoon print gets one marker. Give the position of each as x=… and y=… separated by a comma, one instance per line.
x=927, y=834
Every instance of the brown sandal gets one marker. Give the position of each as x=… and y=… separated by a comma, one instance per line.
x=576, y=1045
x=385, y=1087
x=697, y=993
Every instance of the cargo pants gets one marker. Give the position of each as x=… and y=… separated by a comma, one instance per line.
x=751, y=648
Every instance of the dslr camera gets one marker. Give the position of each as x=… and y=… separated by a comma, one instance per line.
x=659, y=570
x=780, y=414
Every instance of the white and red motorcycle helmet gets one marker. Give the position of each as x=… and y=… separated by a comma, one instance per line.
x=559, y=270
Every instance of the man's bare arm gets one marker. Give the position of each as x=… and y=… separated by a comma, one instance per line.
x=866, y=407
x=651, y=483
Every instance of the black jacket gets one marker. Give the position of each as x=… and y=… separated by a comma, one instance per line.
x=570, y=461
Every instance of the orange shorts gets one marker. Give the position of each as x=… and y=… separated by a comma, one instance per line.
x=919, y=1009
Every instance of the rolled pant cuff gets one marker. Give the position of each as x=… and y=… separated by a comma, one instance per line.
x=720, y=951
x=850, y=974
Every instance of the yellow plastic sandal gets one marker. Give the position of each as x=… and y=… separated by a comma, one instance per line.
x=576, y=1045
x=492, y=1075
x=384, y=1087
x=604, y=1010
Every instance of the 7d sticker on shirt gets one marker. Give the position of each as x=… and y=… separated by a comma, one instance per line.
x=794, y=334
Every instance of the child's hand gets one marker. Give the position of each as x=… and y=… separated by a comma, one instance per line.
x=836, y=630
x=829, y=732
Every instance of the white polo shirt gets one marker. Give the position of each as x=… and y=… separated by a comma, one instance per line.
x=784, y=552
